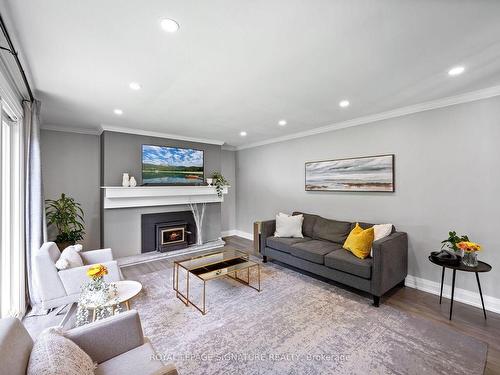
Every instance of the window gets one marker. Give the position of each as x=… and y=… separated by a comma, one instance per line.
x=12, y=269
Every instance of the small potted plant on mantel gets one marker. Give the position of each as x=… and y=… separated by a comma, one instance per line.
x=219, y=182
x=66, y=215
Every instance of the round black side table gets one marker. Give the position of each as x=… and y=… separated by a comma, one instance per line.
x=481, y=267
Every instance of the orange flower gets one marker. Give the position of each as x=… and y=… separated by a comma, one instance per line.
x=469, y=246
x=97, y=270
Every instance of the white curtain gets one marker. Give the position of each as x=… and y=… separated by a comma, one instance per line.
x=12, y=255
x=35, y=211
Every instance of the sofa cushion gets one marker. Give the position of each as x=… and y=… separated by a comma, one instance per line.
x=345, y=261
x=308, y=224
x=368, y=225
x=331, y=230
x=314, y=250
x=140, y=360
x=283, y=243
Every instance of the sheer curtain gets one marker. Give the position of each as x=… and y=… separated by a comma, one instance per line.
x=12, y=255
x=35, y=211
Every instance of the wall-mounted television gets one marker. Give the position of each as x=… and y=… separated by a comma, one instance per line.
x=163, y=165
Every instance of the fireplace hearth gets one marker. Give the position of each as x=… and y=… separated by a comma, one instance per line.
x=167, y=231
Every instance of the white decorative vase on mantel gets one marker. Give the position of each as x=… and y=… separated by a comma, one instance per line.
x=125, y=180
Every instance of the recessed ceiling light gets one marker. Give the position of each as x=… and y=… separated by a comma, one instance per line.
x=134, y=86
x=282, y=122
x=169, y=25
x=243, y=134
x=456, y=70
x=344, y=103
x=118, y=112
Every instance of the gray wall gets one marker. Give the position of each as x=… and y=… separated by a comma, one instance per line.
x=447, y=177
x=228, y=170
x=70, y=164
x=122, y=153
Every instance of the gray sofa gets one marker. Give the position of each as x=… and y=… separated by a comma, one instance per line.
x=320, y=252
x=116, y=344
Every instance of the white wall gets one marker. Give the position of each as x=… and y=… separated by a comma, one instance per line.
x=70, y=164
x=447, y=177
x=228, y=170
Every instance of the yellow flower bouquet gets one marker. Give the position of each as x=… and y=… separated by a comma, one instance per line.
x=96, y=271
x=468, y=246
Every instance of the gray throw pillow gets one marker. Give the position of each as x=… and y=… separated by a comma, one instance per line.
x=54, y=354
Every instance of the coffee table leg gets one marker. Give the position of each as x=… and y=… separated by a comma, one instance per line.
x=452, y=291
x=258, y=273
x=204, y=287
x=442, y=281
x=187, y=288
x=481, y=294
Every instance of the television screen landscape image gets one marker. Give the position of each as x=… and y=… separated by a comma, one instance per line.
x=162, y=165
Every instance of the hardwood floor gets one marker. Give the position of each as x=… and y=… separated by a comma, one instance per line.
x=466, y=319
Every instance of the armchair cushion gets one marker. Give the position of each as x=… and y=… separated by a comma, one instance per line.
x=73, y=278
x=140, y=360
x=70, y=258
x=109, y=337
x=15, y=347
x=54, y=354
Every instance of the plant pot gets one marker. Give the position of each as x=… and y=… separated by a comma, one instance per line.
x=63, y=245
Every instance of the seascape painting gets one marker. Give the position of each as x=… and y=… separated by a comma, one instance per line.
x=163, y=165
x=371, y=173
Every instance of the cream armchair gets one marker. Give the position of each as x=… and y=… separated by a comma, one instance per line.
x=58, y=288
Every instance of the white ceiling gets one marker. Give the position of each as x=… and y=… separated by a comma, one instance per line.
x=243, y=65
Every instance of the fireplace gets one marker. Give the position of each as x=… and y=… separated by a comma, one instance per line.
x=172, y=235
x=167, y=231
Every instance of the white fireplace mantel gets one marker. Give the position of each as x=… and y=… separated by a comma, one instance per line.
x=147, y=196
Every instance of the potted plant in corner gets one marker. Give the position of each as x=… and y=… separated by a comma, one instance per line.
x=218, y=181
x=66, y=215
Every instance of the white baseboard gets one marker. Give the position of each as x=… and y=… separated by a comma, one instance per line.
x=461, y=295
x=236, y=232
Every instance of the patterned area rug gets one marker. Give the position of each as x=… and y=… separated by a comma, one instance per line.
x=296, y=325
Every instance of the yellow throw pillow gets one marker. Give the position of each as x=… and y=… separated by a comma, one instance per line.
x=359, y=242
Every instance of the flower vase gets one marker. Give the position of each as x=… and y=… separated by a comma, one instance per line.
x=459, y=253
x=470, y=259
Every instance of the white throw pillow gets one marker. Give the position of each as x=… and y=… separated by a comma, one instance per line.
x=70, y=258
x=289, y=226
x=381, y=231
x=54, y=354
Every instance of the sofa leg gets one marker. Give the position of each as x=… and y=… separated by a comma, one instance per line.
x=264, y=259
x=402, y=284
x=376, y=301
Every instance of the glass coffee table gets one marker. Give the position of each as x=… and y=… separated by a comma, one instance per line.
x=228, y=262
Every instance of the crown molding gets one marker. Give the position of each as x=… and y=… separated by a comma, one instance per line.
x=71, y=129
x=148, y=133
x=226, y=147
x=403, y=111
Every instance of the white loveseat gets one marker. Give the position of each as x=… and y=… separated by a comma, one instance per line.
x=58, y=288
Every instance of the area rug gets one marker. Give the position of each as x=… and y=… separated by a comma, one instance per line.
x=296, y=325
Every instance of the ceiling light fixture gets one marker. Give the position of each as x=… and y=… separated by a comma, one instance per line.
x=456, y=70
x=134, y=86
x=282, y=122
x=169, y=25
x=344, y=103
x=118, y=112
x=243, y=134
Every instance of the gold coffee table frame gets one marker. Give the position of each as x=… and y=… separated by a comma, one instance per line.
x=197, y=266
